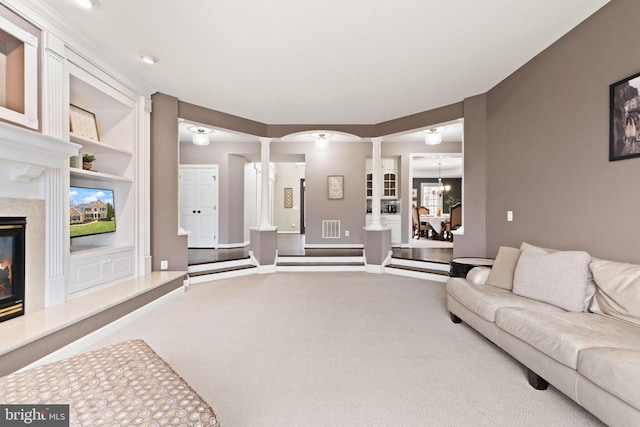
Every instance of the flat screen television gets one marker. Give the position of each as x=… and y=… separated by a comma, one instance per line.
x=91, y=211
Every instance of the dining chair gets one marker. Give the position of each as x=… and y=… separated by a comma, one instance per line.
x=454, y=222
x=419, y=229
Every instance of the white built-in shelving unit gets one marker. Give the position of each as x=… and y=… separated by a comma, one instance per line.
x=101, y=259
x=46, y=66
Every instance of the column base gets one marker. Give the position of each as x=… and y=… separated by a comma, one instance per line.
x=264, y=246
x=377, y=245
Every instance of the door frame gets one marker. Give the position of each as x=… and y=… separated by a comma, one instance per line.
x=216, y=215
x=303, y=203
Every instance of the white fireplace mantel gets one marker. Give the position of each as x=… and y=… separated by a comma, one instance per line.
x=33, y=165
x=32, y=148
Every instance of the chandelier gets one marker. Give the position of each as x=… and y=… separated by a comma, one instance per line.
x=441, y=187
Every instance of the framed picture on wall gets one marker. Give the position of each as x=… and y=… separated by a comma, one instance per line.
x=288, y=198
x=624, y=119
x=335, y=187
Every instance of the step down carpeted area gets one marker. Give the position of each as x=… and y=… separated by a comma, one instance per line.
x=429, y=270
x=320, y=260
x=220, y=270
x=321, y=263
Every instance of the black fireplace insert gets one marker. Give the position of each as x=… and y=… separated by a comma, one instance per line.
x=12, y=266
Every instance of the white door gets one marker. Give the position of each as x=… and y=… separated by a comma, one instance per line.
x=199, y=204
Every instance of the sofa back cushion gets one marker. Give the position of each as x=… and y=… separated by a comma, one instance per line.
x=618, y=292
x=501, y=275
x=558, y=278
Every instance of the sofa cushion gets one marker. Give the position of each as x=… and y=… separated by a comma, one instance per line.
x=486, y=300
x=478, y=275
x=559, y=278
x=591, y=284
x=618, y=293
x=562, y=335
x=504, y=266
x=614, y=370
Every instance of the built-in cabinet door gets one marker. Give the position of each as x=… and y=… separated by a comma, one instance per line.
x=389, y=178
x=98, y=266
x=199, y=204
x=389, y=185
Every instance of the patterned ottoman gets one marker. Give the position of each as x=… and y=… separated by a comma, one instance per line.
x=121, y=385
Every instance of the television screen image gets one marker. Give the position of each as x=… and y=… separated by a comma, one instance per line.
x=91, y=211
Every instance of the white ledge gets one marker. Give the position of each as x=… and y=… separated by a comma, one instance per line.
x=25, y=146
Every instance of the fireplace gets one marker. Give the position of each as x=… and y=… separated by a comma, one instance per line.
x=12, y=266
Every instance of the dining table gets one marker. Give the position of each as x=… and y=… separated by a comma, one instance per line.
x=435, y=222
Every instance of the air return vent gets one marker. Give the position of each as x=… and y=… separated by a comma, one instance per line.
x=330, y=228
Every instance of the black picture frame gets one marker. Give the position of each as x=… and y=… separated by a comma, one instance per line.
x=624, y=118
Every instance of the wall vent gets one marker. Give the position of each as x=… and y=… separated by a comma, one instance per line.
x=330, y=228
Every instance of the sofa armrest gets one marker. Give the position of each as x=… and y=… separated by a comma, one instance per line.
x=478, y=275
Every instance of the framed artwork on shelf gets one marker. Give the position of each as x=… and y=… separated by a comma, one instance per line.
x=335, y=187
x=624, y=119
x=288, y=198
x=83, y=123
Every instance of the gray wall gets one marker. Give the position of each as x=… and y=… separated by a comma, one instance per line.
x=346, y=159
x=166, y=244
x=474, y=184
x=548, y=135
x=536, y=144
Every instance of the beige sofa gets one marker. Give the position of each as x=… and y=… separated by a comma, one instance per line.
x=588, y=348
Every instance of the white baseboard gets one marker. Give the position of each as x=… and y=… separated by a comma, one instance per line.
x=288, y=232
x=371, y=268
x=265, y=269
x=333, y=246
x=233, y=245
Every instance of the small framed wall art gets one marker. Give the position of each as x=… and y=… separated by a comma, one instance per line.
x=83, y=123
x=335, y=187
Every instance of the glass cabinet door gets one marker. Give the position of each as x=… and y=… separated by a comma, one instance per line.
x=389, y=185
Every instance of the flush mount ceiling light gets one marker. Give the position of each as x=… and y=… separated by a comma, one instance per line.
x=432, y=137
x=149, y=59
x=321, y=140
x=200, y=135
x=87, y=4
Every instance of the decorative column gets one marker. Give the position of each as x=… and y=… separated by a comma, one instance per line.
x=265, y=221
x=55, y=183
x=142, y=185
x=376, y=164
x=264, y=238
x=377, y=244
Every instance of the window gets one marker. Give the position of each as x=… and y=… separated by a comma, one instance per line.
x=430, y=197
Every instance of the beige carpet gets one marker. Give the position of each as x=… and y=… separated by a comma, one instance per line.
x=342, y=349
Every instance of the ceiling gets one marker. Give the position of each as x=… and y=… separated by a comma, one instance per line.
x=309, y=61
x=437, y=165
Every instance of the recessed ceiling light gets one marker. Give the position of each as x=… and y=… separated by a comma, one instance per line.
x=149, y=59
x=87, y=4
